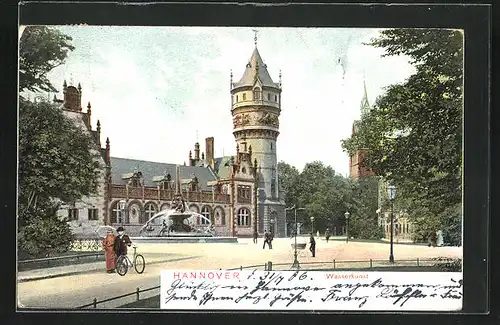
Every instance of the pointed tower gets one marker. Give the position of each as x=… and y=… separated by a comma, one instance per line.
x=357, y=168
x=365, y=105
x=256, y=107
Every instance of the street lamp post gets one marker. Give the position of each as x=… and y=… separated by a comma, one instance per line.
x=391, y=190
x=295, y=259
x=346, y=214
x=312, y=225
x=272, y=226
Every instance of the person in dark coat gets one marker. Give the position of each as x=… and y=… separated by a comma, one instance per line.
x=270, y=242
x=327, y=234
x=266, y=239
x=312, y=248
x=255, y=236
x=122, y=241
x=432, y=239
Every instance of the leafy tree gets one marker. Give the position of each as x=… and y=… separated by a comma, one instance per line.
x=414, y=131
x=55, y=158
x=324, y=194
x=56, y=165
x=287, y=178
x=41, y=49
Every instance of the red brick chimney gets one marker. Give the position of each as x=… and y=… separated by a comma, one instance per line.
x=209, y=151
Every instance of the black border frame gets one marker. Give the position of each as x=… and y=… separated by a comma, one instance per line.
x=474, y=19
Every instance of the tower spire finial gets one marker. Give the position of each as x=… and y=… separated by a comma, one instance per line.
x=255, y=37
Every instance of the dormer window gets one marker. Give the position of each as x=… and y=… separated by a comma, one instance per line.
x=256, y=94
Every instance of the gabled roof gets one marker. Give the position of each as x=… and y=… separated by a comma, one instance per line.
x=256, y=69
x=151, y=170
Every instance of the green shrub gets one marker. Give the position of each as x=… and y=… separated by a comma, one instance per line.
x=43, y=236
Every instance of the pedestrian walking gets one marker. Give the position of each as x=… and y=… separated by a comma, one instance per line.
x=270, y=242
x=312, y=246
x=266, y=239
x=109, y=252
x=432, y=239
x=327, y=234
x=255, y=236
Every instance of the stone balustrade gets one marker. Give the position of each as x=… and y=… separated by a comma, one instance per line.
x=152, y=193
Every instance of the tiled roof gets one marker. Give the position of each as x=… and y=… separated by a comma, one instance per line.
x=250, y=73
x=222, y=166
x=150, y=169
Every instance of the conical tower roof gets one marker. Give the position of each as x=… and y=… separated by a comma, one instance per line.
x=255, y=69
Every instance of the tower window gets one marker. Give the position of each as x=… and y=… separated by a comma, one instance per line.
x=236, y=98
x=271, y=146
x=256, y=94
x=268, y=96
x=244, y=96
x=275, y=98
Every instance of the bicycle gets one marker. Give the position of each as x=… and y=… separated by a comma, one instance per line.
x=122, y=263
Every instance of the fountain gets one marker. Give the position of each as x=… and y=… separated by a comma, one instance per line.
x=178, y=224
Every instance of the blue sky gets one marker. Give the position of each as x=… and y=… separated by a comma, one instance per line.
x=157, y=90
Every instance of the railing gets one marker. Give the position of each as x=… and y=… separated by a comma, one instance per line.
x=136, y=293
x=268, y=266
x=152, y=193
x=85, y=245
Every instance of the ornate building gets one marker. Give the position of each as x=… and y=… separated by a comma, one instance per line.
x=239, y=193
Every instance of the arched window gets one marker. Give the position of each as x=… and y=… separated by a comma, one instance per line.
x=256, y=94
x=150, y=210
x=205, y=211
x=219, y=215
x=243, y=217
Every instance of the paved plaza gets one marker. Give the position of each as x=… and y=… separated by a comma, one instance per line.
x=78, y=288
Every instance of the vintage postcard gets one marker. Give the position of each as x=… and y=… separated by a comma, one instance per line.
x=239, y=168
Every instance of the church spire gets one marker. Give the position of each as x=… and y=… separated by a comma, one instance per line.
x=365, y=105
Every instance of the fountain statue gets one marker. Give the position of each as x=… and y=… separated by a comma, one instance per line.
x=177, y=221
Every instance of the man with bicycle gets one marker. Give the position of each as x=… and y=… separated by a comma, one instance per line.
x=122, y=241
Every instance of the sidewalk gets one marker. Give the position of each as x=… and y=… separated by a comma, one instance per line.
x=85, y=268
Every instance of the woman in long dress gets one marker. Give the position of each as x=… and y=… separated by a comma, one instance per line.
x=110, y=256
